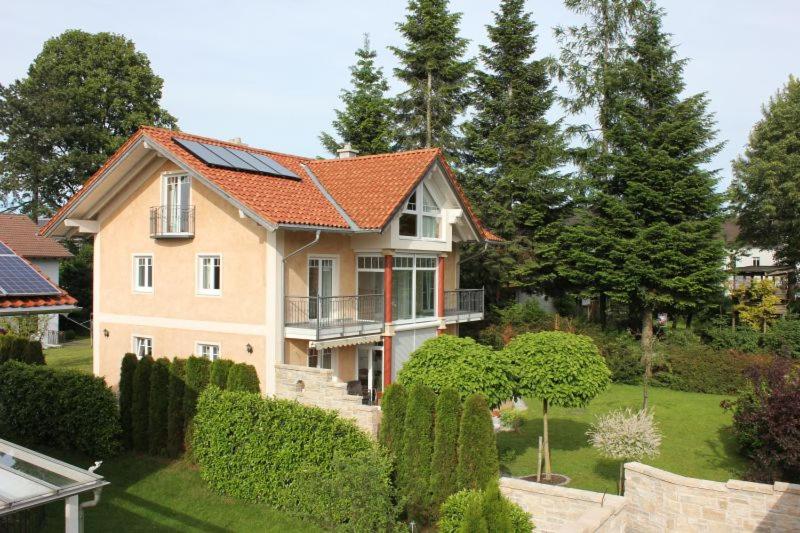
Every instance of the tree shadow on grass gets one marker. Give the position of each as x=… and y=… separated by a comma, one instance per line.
x=608, y=469
x=724, y=452
x=565, y=434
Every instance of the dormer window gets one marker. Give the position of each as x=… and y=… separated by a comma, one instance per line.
x=421, y=217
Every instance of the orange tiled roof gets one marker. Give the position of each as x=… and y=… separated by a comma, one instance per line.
x=21, y=234
x=368, y=189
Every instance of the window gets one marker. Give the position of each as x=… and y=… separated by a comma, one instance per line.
x=320, y=360
x=756, y=261
x=208, y=274
x=421, y=219
x=142, y=346
x=176, y=203
x=208, y=350
x=414, y=287
x=320, y=287
x=143, y=273
x=369, y=275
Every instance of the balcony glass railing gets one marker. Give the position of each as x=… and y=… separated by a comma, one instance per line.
x=463, y=302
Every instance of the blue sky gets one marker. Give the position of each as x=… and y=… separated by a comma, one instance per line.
x=270, y=72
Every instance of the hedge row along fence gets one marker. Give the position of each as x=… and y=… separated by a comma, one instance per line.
x=14, y=348
x=59, y=408
x=301, y=459
x=158, y=398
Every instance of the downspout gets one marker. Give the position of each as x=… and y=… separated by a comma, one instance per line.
x=286, y=258
x=91, y=503
x=305, y=246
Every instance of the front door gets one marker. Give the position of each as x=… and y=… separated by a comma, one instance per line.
x=370, y=371
x=320, y=287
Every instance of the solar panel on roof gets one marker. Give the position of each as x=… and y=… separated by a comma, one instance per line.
x=235, y=159
x=18, y=278
x=5, y=249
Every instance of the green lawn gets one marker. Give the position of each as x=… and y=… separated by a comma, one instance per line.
x=148, y=494
x=74, y=355
x=697, y=439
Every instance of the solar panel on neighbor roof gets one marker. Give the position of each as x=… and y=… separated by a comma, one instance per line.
x=5, y=249
x=235, y=159
x=18, y=278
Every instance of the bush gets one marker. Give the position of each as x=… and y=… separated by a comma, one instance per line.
x=623, y=355
x=444, y=466
x=197, y=376
x=414, y=464
x=448, y=361
x=33, y=354
x=262, y=449
x=518, y=318
x=59, y=408
x=393, y=407
x=720, y=335
x=219, y=372
x=158, y=407
x=455, y=508
x=783, y=338
x=140, y=412
x=511, y=418
x=477, y=447
x=16, y=348
x=244, y=378
x=175, y=421
x=126, y=373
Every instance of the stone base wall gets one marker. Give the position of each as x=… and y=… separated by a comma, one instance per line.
x=316, y=386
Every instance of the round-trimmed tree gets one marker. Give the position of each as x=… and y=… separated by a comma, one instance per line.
x=477, y=446
x=459, y=362
x=558, y=368
x=126, y=372
x=444, y=476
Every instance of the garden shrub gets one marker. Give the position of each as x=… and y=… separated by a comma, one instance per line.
x=175, y=421
x=393, y=408
x=414, y=464
x=33, y=353
x=477, y=447
x=126, y=373
x=518, y=318
x=17, y=348
x=454, y=510
x=244, y=378
x=448, y=361
x=720, y=335
x=494, y=509
x=473, y=520
x=623, y=355
x=783, y=338
x=444, y=465
x=262, y=449
x=140, y=412
x=511, y=418
x=158, y=405
x=219, y=372
x=60, y=408
x=197, y=376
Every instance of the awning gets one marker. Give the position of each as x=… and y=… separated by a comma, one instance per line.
x=344, y=341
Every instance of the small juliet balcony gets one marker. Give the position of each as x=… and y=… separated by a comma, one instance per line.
x=172, y=222
x=329, y=317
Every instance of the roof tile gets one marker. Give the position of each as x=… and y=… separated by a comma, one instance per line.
x=21, y=234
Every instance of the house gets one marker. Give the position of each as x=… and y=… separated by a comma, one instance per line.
x=21, y=234
x=288, y=263
x=750, y=263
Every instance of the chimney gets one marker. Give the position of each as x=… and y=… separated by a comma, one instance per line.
x=237, y=140
x=346, y=152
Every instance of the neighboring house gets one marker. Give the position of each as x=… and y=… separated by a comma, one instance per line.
x=21, y=234
x=283, y=262
x=752, y=263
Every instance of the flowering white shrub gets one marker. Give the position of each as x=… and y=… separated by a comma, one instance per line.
x=625, y=435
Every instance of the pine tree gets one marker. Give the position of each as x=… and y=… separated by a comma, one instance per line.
x=444, y=465
x=436, y=75
x=158, y=405
x=126, y=380
x=366, y=122
x=393, y=407
x=140, y=412
x=414, y=464
x=175, y=420
x=477, y=449
x=513, y=152
x=653, y=235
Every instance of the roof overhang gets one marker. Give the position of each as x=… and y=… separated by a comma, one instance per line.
x=39, y=310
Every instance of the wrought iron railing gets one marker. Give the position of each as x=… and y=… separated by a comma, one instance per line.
x=461, y=302
x=338, y=313
x=171, y=221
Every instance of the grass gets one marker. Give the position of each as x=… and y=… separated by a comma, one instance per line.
x=150, y=494
x=74, y=355
x=697, y=440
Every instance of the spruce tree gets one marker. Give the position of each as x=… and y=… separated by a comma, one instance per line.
x=477, y=447
x=126, y=384
x=414, y=463
x=366, y=122
x=140, y=412
x=437, y=76
x=158, y=405
x=175, y=420
x=653, y=234
x=444, y=467
x=513, y=152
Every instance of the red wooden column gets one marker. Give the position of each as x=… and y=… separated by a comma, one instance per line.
x=440, y=293
x=387, y=318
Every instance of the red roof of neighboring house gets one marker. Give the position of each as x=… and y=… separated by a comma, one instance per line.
x=27, y=302
x=20, y=233
x=368, y=189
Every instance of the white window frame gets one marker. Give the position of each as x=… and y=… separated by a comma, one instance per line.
x=135, y=344
x=198, y=349
x=135, y=272
x=414, y=318
x=200, y=290
x=420, y=213
x=334, y=359
x=334, y=272
x=757, y=261
x=369, y=269
x=164, y=181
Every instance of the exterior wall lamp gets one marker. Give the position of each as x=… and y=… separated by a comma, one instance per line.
x=249, y=348
x=105, y=333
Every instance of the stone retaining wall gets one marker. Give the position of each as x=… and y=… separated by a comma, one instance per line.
x=316, y=386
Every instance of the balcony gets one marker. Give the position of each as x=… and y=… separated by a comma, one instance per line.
x=172, y=222
x=463, y=305
x=329, y=317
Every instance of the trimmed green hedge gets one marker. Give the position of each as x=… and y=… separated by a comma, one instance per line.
x=15, y=348
x=197, y=376
x=219, y=372
x=243, y=377
x=258, y=448
x=158, y=406
x=140, y=411
x=175, y=420
x=59, y=408
x=127, y=371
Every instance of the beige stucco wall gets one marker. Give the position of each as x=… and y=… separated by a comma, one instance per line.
x=296, y=354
